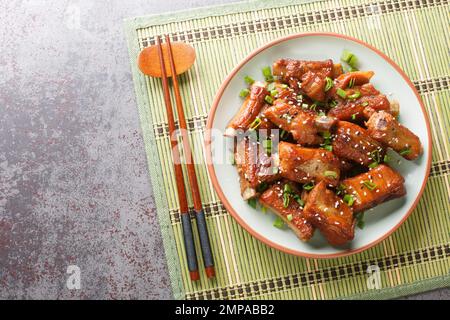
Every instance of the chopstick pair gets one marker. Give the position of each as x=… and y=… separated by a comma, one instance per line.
x=195, y=191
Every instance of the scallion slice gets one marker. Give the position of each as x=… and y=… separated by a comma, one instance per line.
x=405, y=152
x=355, y=95
x=249, y=80
x=274, y=93
x=269, y=99
x=308, y=186
x=329, y=83
x=370, y=185
x=351, y=83
x=360, y=220
x=244, y=93
x=255, y=124
x=278, y=223
x=252, y=203
x=267, y=72
x=289, y=217
x=341, y=93
x=349, y=199
x=328, y=147
x=373, y=165
x=330, y=174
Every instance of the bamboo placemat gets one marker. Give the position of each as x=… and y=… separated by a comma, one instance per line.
x=413, y=33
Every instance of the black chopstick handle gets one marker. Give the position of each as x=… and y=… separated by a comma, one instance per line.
x=205, y=243
x=189, y=246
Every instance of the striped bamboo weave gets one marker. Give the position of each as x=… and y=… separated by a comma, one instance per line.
x=415, y=258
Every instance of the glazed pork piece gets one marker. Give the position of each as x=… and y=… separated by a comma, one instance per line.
x=254, y=166
x=353, y=143
x=384, y=128
x=249, y=110
x=287, y=204
x=369, y=101
x=308, y=75
x=378, y=185
x=328, y=213
x=304, y=125
x=305, y=165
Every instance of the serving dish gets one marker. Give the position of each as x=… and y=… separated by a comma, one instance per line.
x=381, y=221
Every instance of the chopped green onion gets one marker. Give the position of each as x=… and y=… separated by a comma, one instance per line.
x=299, y=200
x=252, y=203
x=267, y=145
x=308, y=186
x=267, y=72
x=313, y=106
x=350, y=58
x=340, y=189
x=370, y=185
x=262, y=187
x=305, y=106
x=373, y=165
x=328, y=148
x=329, y=84
x=249, y=80
x=283, y=86
x=326, y=134
x=283, y=134
x=278, y=223
x=330, y=174
x=365, y=104
x=300, y=97
x=268, y=99
x=289, y=217
x=287, y=188
x=341, y=93
x=351, y=83
x=271, y=86
x=255, y=124
x=273, y=93
x=375, y=155
x=349, y=199
x=360, y=220
x=322, y=114
x=275, y=170
x=264, y=209
x=405, y=152
x=354, y=96
x=333, y=103
x=386, y=158
x=354, y=116
x=244, y=93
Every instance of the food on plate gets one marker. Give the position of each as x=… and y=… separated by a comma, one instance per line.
x=285, y=199
x=311, y=145
x=328, y=213
x=384, y=128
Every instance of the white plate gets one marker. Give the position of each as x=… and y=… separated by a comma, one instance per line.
x=381, y=221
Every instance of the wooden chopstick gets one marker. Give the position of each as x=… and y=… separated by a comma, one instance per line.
x=195, y=190
x=189, y=245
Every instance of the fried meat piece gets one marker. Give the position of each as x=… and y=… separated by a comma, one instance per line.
x=286, y=203
x=384, y=128
x=249, y=110
x=353, y=143
x=328, y=213
x=254, y=166
x=305, y=165
x=378, y=185
x=304, y=125
x=310, y=76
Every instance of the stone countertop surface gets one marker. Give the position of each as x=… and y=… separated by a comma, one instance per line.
x=74, y=186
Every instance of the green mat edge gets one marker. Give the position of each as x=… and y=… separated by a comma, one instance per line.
x=131, y=25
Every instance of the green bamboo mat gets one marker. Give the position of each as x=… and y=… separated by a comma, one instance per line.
x=413, y=33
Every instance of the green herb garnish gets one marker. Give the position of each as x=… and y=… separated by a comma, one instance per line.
x=269, y=99
x=329, y=84
x=289, y=217
x=255, y=124
x=278, y=223
x=249, y=80
x=349, y=199
x=405, y=152
x=373, y=165
x=308, y=186
x=252, y=202
x=341, y=93
x=360, y=220
x=330, y=174
x=355, y=95
x=351, y=83
x=267, y=145
x=244, y=93
x=370, y=185
x=328, y=147
x=267, y=72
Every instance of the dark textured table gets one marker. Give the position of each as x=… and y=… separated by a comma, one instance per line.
x=74, y=186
